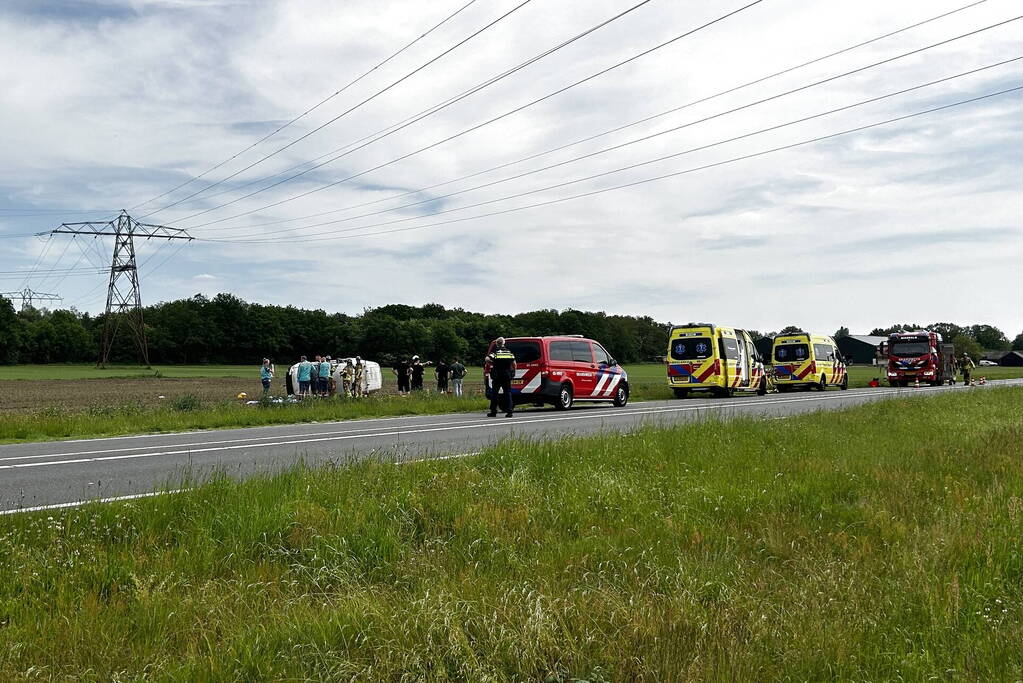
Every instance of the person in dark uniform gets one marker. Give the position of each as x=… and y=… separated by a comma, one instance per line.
x=401, y=373
x=502, y=371
x=441, y=371
x=416, y=373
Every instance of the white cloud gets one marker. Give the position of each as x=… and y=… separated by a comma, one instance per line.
x=111, y=103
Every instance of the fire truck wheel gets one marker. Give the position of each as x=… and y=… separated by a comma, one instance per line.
x=564, y=397
x=681, y=393
x=621, y=397
x=823, y=384
x=845, y=383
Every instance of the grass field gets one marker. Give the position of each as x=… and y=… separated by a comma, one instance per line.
x=76, y=408
x=878, y=543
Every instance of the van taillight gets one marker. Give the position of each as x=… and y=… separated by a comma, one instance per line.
x=544, y=368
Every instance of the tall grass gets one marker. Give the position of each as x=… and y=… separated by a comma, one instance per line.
x=877, y=543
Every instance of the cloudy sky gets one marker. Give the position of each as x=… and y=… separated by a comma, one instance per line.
x=110, y=104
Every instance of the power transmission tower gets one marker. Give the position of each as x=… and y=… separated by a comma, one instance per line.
x=124, y=300
x=28, y=295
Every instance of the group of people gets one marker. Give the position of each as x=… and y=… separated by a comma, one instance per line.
x=315, y=378
x=410, y=374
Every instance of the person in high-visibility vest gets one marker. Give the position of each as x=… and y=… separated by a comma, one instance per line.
x=502, y=371
x=966, y=365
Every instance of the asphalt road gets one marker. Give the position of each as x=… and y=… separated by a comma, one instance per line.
x=55, y=474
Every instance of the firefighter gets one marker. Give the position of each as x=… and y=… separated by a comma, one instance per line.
x=502, y=370
x=347, y=375
x=359, y=382
x=966, y=364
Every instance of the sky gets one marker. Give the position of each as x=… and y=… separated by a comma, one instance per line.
x=141, y=104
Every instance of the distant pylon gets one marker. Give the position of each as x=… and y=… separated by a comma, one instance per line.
x=28, y=295
x=124, y=299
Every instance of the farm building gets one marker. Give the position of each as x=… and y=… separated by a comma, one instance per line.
x=1012, y=359
x=860, y=349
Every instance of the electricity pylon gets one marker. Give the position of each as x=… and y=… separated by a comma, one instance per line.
x=28, y=295
x=124, y=300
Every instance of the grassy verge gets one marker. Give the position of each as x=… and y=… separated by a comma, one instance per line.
x=187, y=413
x=67, y=414
x=877, y=543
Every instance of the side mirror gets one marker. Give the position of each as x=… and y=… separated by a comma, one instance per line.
x=612, y=362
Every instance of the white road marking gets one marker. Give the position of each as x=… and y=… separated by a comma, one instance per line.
x=492, y=422
x=79, y=503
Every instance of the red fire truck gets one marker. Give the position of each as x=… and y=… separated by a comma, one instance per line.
x=918, y=358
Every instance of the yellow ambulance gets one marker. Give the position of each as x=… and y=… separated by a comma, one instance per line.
x=808, y=361
x=712, y=358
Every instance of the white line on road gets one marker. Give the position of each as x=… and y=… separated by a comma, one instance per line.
x=493, y=422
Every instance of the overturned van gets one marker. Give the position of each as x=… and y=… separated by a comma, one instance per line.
x=372, y=376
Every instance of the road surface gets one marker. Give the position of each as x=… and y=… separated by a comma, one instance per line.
x=61, y=473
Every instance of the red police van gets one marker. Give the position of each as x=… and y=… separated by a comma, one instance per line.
x=562, y=370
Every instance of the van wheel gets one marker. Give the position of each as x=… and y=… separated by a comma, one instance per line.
x=680, y=393
x=845, y=382
x=621, y=396
x=823, y=384
x=762, y=389
x=564, y=397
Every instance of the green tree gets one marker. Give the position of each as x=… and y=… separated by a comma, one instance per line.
x=840, y=333
x=989, y=337
x=10, y=333
x=790, y=329
x=1017, y=343
x=967, y=344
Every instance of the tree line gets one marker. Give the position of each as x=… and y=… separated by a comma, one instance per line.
x=225, y=329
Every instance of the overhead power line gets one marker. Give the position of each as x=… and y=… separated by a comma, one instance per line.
x=478, y=126
x=313, y=108
x=644, y=181
x=531, y=103
x=387, y=131
x=352, y=108
x=605, y=133
x=645, y=138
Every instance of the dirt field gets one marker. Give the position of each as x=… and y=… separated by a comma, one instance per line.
x=31, y=396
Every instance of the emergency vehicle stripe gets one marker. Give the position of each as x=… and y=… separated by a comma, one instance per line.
x=519, y=374
x=600, y=385
x=533, y=385
x=804, y=372
x=613, y=385
x=708, y=372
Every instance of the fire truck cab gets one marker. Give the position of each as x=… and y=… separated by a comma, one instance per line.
x=918, y=357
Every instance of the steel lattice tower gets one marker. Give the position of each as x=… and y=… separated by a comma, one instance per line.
x=124, y=298
x=27, y=296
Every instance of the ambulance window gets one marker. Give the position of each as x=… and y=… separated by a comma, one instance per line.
x=525, y=351
x=791, y=353
x=581, y=352
x=601, y=355
x=731, y=348
x=822, y=352
x=691, y=348
x=561, y=350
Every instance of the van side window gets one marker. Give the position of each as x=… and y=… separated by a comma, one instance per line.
x=731, y=348
x=601, y=355
x=561, y=350
x=581, y=352
x=822, y=352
